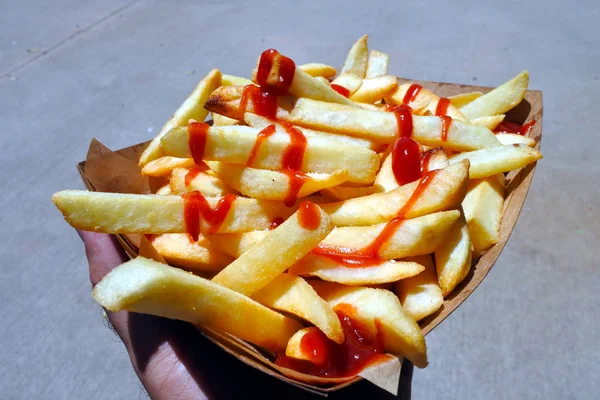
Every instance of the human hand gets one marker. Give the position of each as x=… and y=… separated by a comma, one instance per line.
x=173, y=360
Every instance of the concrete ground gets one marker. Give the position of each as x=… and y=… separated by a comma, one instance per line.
x=116, y=70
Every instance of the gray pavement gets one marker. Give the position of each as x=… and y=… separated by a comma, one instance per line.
x=116, y=70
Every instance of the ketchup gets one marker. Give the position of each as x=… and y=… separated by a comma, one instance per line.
x=284, y=68
x=369, y=255
x=193, y=173
x=411, y=93
x=341, y=90
x=275, y=223
x=196, y=206
x=291, y=161
x=446, y=122
x=406, y=160
x=360, y=348
x=513, y=127
x=442, y=107
x=309, y=215
x=264, y=102
x=197, y=140
x=404, y=120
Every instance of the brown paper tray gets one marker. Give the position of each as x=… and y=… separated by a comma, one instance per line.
x=124, y=176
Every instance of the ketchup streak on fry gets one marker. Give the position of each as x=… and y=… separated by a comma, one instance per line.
x=193, y=173
x=513, y=127
x=406, y=160
x=196, y=206
x=309, y=215
x=411, y=93
x=446, y=122
x=264, y=102
x=442, y=107
x=369, y=255
x=197, y=140
x=275, y=223
x=341, y=90
x=271, y=60
x=403, y=119
x=360, y=348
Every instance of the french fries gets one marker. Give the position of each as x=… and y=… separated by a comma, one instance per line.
x=262, y=263
x=495, y=160
x=420, y=295
x=149, y=287
x=499, y=100
x=483, y=211
x=234, y=144
x=318, y=204
x=293, y=295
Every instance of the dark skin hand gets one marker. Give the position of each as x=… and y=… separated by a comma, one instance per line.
x=173, y=360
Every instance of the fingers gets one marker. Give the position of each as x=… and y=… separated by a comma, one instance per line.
x=103, y=253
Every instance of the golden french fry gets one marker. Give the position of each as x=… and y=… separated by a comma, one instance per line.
x=164, y=190
x=374, y=89
x=221, y=120
x=450, y=110
x=192, y=108
x=236, y=244
x=234, y=144
x=421, y=98
x=513, y=138
x=303, y=85
x=489, y=122
x=462, y=99
x=453, y=257
x=227, y=101
x=483, y=211
x=179, y=250
x=274, y=185
x=444, y=190
x=357, y=58
x=295, y=349
x=499, y=100
x=339, y=193
x=281, y=248
x=328, y=269
x=136, y=213
x=494, y=160
x=372, y=107
x=420, y=295
x=291, y=294
x=318, y=69
x=182, y=182
x=431, y=160
x=381, y=311
x=258, y=122
x=163, y=166
x=377, y=64
x=149, y=287
x=348, y=81
x=410, y=237
x=232, y=80
x=324, y=80
x=382, y=127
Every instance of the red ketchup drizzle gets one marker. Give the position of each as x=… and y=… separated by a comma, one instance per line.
x=264, y=102
x=442, y=107
x=194, y=172
x=271, y=60
x=406, y=160
x=360, y=348
x=197, y=140
x=411, y=93
x=275, y=223
x=309, y=215
x=341, y=90
x=196, y=206
x=404, y=119
x=369, y=255
x=513, y=127
x=446, y=122
x=291, y=162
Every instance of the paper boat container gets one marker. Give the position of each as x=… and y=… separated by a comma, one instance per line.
x=108, y=171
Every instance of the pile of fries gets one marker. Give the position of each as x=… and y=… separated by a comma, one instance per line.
x=321, y=215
